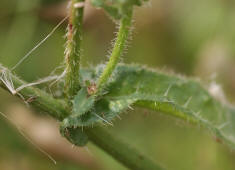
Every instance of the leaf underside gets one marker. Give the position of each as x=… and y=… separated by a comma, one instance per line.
x=175, y=95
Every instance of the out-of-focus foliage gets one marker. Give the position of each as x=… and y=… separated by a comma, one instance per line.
x=49, y=2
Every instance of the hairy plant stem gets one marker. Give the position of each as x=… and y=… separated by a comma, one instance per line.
x=59, y=109
x=73, y=48
x=37, y=98
x=120, y=150
x=118, y=49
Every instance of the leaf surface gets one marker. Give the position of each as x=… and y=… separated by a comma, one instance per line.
x=171, y=94
x=82, y=102
x=175, y=95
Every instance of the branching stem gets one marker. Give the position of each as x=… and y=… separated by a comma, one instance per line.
x=35, y=97
x=58, y=109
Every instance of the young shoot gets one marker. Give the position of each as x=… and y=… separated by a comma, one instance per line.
x=119, y=46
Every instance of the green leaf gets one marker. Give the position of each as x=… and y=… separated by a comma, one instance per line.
x=82, y=102
x=116, y=8
x=104, y=111
x=175, y=95
x=69, y=128
x=171, y=94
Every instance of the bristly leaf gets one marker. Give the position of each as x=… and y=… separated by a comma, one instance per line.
x=82, y=102
x=69, y=128
x=174, y=95
x=104, y=111
x=117, y=8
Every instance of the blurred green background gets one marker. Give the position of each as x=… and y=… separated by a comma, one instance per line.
x=190, y=37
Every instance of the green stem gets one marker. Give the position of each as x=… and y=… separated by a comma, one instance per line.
x=117, y=50
x=35, y=97
x=73, y=48
x=99, y=136
x=120, y=150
